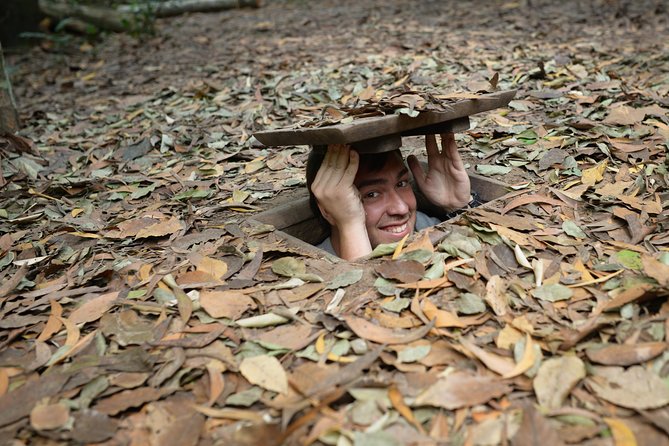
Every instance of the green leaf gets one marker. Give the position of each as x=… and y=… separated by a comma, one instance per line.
x=629, y=259
x=469, y=303
x=413, y=354
x=143, y=191
x=385, y=287
x=419, y=255
x=245, y=398
x=289, y=267
x=664, y=258
x=572, y=229
x=486, y=169
x=553, y=292
x=397, y=305
x=383, y=250
x=195, y=193
x=379, y=438
x=345, y=279
x=527, y=137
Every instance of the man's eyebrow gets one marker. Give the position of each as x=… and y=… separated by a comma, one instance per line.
x=377, y=181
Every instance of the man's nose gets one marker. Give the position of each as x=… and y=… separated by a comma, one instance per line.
x=397, y=205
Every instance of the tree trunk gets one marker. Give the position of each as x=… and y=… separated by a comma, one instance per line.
x=171, y=8
x=124, y=17
x=9, y=118
x=99, y=16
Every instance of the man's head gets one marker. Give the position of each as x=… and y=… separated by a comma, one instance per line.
x=385, y=192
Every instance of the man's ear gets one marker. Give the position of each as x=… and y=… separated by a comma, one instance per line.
x=326, y=215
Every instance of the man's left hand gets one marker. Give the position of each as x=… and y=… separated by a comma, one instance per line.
x=446, y=183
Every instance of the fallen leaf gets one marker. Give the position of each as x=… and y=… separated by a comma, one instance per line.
x=624, y=355
x=405, y=271
x=93, y=309
x=556, y=378
x=622, y=434
x=49, y=416
x=495, y=295
x=53, y=324
x=227, y=304
x=368, y=330
x=461, y=389
x=527, y=361
x=265, y=371
x=161, y=229
x=442, y=318
x=634, y=388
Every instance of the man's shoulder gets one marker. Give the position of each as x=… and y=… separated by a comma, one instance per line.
x=425, y=221
x=326, y=245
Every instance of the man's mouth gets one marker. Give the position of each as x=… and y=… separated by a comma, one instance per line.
x=396, y=229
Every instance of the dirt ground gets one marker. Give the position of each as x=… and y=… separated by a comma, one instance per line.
x=138, y=305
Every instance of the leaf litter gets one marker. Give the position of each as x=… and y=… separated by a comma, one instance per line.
x=139, y=305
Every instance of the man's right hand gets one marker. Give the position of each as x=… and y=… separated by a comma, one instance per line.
x=339, y=201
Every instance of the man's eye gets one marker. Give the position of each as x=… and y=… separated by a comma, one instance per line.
x=403, y=183
x=370, y=195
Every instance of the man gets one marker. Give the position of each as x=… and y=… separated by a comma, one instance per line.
x=368, y=200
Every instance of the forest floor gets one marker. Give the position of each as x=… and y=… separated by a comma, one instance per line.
x=139, y=304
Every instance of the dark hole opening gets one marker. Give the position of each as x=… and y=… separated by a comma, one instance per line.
x=299, y=225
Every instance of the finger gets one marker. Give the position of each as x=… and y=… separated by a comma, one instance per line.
x=431, y=147
x=325, y=168
x=343, y=153
x=332, y=155
x=450, y=148
x=448, y=144
x=416, y=170
x=351, y=170
x=327, y=175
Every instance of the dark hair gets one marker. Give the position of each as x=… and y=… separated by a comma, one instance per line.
x=373, y=162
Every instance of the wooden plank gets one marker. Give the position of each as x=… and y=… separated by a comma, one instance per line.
x=382, y=126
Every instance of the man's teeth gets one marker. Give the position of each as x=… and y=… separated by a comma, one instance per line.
x=396, y=229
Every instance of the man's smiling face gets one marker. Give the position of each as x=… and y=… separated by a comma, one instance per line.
x=388, y=200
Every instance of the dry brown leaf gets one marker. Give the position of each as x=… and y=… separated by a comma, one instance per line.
x=161, y=229
x=367, y=330
x=427, y=284
x=442, y=318
x=645, y=204
x=495, y=295
x=625, y=115
x=594, y=174
x=215, y=369
x=400, y=406
x=49, y=416
x=622, y=434
x=214, y=267
x=624, y=355
x=461, y=389
x=634, y=388
x=401, y=270
x=4, y=381
x=231, y=414
x=655, y=269
x=508, y=336
x=265, y=371
x=228, y=304
x=93, y=309
x=53, y=324
x=526, y=362
x=423, y=242
x=72, y=331
x=531, y=198
x=498, y=364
